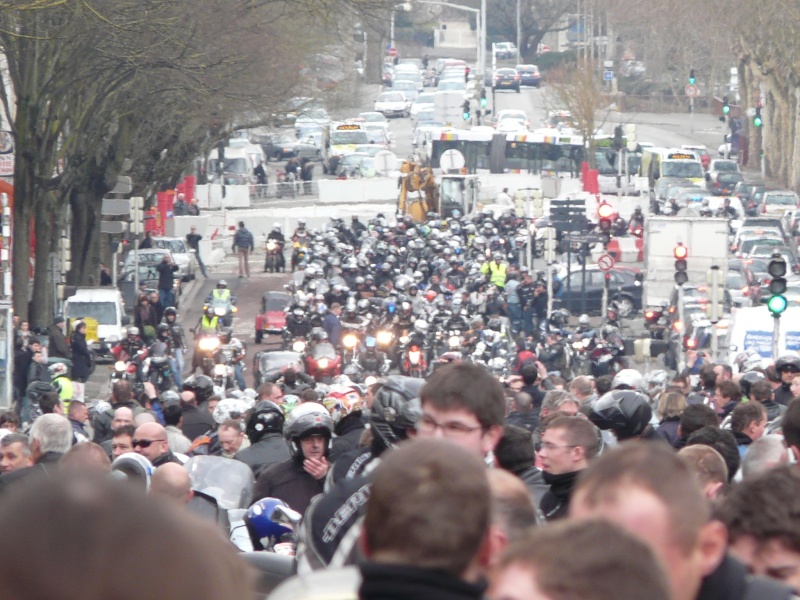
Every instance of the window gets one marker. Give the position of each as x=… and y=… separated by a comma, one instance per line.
x=105, y=313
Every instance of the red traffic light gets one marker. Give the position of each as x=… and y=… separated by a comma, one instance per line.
x=680, y=252
x=605, y=211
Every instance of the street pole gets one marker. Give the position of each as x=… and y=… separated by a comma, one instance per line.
x=681, y=352
x=519, y=32
x=714, y=307
x=391, y=29
x=776, y=336
x=604, y=301
x=549, y=288
x=691, y=114
x=483, y=39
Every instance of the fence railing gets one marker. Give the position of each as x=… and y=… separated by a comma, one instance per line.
x=283, y=190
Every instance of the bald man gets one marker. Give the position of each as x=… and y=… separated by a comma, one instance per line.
x=150, y=440
x=143, y=418
x=122, y=416
x=171, y=482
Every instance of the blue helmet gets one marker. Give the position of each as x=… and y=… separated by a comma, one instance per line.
x=264, y=532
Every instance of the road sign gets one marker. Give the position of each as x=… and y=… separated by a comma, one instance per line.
x=124, y=185
x=608, y=75
x=385, y=162
x=605, y=262
x=113, y=227
x=608, y=64
x=691, y=91
x=115, y=207
x=451, y=160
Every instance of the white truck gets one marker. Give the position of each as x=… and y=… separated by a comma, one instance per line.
x=706, y=240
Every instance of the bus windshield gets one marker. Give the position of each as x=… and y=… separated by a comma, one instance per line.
x=353, y=136
x=681, y=168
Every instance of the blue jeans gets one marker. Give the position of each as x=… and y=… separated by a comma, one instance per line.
x=165, y=297
x=238, y=373
x=515, y=316
x=176, y=365
x=527, y=322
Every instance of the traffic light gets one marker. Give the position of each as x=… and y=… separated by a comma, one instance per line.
x=681, y=252
x=777, y=285
x=757, y=120
x=484, y=101
x=726, y=107
x=605, y=212
x=691, y=77
x=466, y=110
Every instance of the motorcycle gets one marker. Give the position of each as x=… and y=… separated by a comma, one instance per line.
x=129, y=370
x=636, y=228
x=205, y=347
x=223, y=309
x=607, y=357
x=157, y=369
x=274, y=259
x=223, y=372
x=656, y=322
x=322, y=362
x=413, y=362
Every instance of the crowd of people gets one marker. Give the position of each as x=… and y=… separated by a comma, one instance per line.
x=460, y=486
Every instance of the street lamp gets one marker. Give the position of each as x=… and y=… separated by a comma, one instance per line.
x=404, y=7
x=480, y=15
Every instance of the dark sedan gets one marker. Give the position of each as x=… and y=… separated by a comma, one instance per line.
x=506, y=79
x=723, y=184
x=624, y=288
x=529, y=75
x=287, y=146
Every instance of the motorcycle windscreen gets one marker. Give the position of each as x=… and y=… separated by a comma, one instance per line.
x=230, y=482
x=324, y=350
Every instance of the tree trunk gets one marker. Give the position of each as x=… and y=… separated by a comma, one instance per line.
x=85, y=236
x=42, y=298
x=23, y=213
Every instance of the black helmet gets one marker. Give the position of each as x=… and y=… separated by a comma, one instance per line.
x=307, y=419
x=201, y=385
x=787, y=362
x=265, y=417
x=625, y=412
x=163, y=328
x=170, y=312
x=747, y=380
x=396, y=409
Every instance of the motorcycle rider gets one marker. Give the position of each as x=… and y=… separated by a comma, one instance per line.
x=351, y=319
x=456, y=275
x=233, y=346
x=611, y=325
x=132, y=343
x=300, y=231
x=583, y=324
x=292, y=381
x=726, y=211
x=495, y=306
x=208, y=324
x=357, y=226
x=539, y=305
x=178, y=340
x=787, y=366
x=62, y=383
x=277, y=236
x=308, y=431
x=637, y=218
x=495, y=270
x=264, y=429
x=297, y=326
x=164, y=335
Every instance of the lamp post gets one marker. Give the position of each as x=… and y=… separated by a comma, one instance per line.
x=404, y=7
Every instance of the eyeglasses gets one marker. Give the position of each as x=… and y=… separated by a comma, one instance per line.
x=144, y=443
x=451, y=429
x=551, y=446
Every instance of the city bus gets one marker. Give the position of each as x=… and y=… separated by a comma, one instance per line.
x=542, y=152
x=671, y=162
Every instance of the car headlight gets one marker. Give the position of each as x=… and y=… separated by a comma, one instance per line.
x=208, y=344
x=299, y=346
x=220, y=370
x=384, y=337
x=220, y=311
x=350, y=341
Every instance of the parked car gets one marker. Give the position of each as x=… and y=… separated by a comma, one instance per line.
x=506, y=79
x=529, y=75
x=505, y=50
x=289, y=146
x=625, y=288
x=779, y=201
x=271, y=318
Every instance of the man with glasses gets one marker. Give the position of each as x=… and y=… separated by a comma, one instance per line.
x=150, y=440
x=567, y=446
x=465, y=404
x=788, y=367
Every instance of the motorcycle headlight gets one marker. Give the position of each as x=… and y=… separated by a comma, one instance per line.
x=219, y=311
x=454, y=341
x=586, y=343
x=271, y=245
x=220, y=370
x=350, y=341
x=384, y=338
x=208, y=344
x=577, y=345
x=413, y=357
x=299, y=346
x=119, y=366
x=323, y=363
x=234, y=309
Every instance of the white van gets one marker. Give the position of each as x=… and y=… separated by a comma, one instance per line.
x=241, y=158
x=751, y=328
x=104, y=305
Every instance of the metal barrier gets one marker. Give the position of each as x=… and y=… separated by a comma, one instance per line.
x=283, y=190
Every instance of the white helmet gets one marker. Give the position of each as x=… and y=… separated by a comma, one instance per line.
x=628, y=379
x=583, y=319
x=421, y=325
